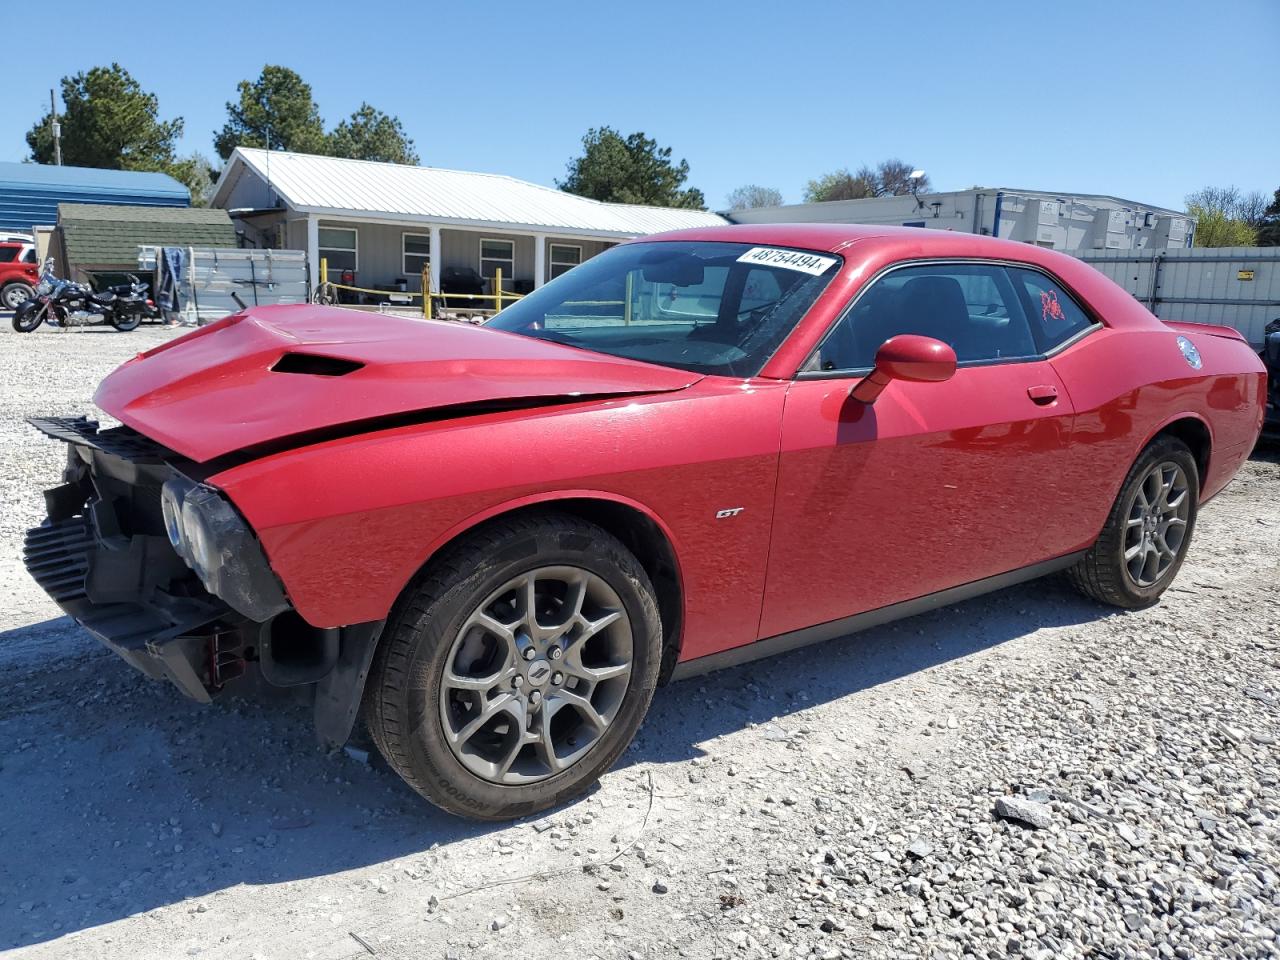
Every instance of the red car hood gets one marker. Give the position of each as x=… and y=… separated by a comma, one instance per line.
x=215, y=391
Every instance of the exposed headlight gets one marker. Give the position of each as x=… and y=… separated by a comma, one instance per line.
x=202, y=555
x=215, y=542
x=171, y=496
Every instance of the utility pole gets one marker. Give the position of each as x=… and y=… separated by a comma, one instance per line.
x=57, y=130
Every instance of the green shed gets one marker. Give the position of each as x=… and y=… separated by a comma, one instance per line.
x=95, y=240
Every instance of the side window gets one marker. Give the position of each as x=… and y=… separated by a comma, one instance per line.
x=9, y=254
x=972, y=307
x=1055, y=317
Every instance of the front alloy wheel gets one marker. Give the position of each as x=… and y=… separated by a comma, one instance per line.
x=536, y=675
x=517, y=667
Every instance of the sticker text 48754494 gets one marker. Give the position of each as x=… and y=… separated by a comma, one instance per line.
x=813, y=263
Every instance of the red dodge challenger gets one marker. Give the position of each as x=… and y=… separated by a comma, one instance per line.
x=699, y=448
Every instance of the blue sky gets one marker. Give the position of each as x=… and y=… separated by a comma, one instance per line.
x=1143, y=100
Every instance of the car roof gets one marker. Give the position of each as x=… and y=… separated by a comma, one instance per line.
x=905, y=242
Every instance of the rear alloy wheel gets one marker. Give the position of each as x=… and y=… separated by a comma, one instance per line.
x=520, y=665
x=1148, y=531
x=1156, y=524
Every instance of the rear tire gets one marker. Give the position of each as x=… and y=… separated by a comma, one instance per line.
x=126, y=323
x=516, y=668
x=1148, y=531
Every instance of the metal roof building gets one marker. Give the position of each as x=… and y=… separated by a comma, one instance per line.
x=30, y=192
x=381, y=220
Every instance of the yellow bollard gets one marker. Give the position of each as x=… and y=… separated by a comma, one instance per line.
x=497, y=289
x=324, y=271
x=426, y=291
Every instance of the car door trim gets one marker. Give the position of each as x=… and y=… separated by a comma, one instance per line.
x=819, y=633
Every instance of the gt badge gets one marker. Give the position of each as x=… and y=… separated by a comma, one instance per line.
x=726, y=514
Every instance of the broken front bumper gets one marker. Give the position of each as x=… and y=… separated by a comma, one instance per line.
x=173, y=604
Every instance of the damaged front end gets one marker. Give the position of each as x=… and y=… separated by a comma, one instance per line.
x=164, y=571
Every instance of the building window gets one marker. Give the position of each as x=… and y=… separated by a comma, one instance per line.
x=339, y=245
x=416, y=250
x=564, y=257
x=498, y=255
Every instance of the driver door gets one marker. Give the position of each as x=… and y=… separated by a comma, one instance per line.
x=934, y=485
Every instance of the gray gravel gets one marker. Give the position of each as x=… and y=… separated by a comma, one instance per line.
x=1025, y=775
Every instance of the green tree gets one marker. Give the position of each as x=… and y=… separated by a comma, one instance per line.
x=1215, y=229
x=197, y=173
x=633, y=169
x=1226, y=216
x=110, y=122
x=841, y=185
x=372, y=135
x=890, y=178
x=278, y=109
x=752, y=196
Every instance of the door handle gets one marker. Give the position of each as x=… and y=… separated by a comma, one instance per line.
x=1043, y=393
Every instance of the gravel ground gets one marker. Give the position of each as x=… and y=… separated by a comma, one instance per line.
x=1024, y=775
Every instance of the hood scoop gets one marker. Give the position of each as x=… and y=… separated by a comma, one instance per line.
x=315, y=365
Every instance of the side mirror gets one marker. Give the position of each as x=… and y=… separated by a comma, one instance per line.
x=910, y=357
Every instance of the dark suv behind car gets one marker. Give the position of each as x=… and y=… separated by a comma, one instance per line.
x=1270, y=354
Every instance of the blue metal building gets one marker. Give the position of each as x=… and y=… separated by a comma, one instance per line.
x=30, y=192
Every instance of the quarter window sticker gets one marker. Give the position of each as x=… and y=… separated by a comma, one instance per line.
x=1050, y=308
x=810, y=263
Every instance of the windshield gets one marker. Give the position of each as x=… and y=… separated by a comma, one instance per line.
x=718, y=308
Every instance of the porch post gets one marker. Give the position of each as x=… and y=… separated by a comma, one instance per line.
x=313, y=248
x=539, y=259
x=436, y=257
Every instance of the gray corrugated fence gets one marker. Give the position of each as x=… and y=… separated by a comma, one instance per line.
x=212, y=274
x=1234, y=286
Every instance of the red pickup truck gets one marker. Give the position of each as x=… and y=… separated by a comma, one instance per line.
x=19, y=273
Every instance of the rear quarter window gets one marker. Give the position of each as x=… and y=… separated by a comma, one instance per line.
x=1054, y=314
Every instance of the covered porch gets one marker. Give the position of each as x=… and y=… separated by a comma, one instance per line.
x=394, y=256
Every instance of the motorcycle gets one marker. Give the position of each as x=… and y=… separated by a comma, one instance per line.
x=66, y=303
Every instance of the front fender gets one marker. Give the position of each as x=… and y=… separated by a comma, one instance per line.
x=348, y=523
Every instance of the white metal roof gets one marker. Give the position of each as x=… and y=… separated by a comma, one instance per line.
x=391, y=191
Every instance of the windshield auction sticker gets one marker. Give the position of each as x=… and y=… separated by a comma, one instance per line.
x=788, y=259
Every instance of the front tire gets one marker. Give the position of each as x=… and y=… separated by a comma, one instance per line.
x=28, y=316
x=516, y=668
x=1148, y=531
